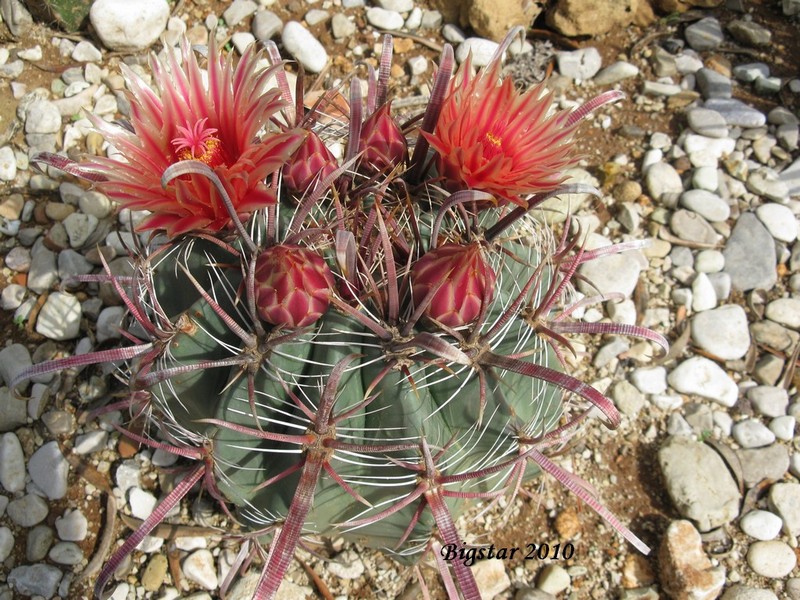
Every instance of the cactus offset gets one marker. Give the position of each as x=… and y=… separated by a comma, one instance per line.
x=355, y=351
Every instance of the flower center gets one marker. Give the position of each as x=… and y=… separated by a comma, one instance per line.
x=492, y=144
x=198, y=143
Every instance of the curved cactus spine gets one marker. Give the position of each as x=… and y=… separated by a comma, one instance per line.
x=368, y=353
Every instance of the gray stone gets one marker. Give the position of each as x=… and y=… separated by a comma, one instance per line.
x=27, y=511
x=49, y=470
x=761, y=525
x=579, y=64
x=767, y=183
x=129, y=26
x=784, y=499
x=39, y=541
x=690, y=226
x=60, y=317
x=615, y=73
x=482, y=51
x=768, y=400
x=783, y=427
x=612, y=273
x=389, y=20
x=16, y=17
x=661, y=178
x=698, y=483
x=750, y=255
x=744, y=592
x=705, y=34
x=713, y=84
x=771, y=462
x=736, y=113
x=779, y=221
x=751, y=433
x=710, y=123
x=13, y=410
x=703, y=377
x=304, y=47
x=12, y=463
x=13, y=360
x=706, y=204
x=773, y=559
x=749, y=33
x=86, y=52
x=35, y=580
x=238, y=11
x=749, y=72
x=785, y=311
x=722, y=331
x=342, y=27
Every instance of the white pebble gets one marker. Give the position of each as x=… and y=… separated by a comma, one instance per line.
x=199, y=568
x=303, y=46
x=49, y=470
x=12, y=463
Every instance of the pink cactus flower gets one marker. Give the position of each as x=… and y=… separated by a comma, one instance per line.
x=183, y=118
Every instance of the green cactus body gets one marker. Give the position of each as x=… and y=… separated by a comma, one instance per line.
x=435, y=401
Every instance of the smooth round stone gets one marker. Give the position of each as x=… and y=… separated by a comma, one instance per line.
x=744, y=592
x=690, y=226
x=482, y=50
x=35, y=580
x=581, y=64
x=785, y=311
x=783, y=427
x=60, y=317
x=705, y=34
x=701, y=376
x=706, y=178
x=752, y=434
x=784, y=499
x=650, y=380
x=199, y=568
x=706, y=204
x=39, y=540
x=303, y=46
x=707, y=122
x=750, y=255
x=6, y=543
x=779, y=221
x=709, y=261
x=238, y=11
x=49, y=470
x=768, y=400
x=66, y=553
x=142, y=503
x=553, y=579
x=12, y=463
x=722, y=331
x=27, y=511
x=761, y=524
x=704, y=296
x=615, y=72
x=773, y=559
x=73, y=526
x=266, y=25
x=390, y=20
x=42, y=117
x=662, y=178
x=129, y=26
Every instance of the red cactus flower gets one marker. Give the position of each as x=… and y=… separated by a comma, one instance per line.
x=491, y=137
x=466, y=283
x=312, y=163
x=293, y=286
x=182, y=118
x=382, y=141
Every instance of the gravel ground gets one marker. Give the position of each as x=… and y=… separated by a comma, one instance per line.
x=702, y=157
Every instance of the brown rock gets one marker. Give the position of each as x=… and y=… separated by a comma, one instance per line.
x=685, y=570
x=671, y=6
x=636, y=572
x=594, y=17
x=490, y=18
x=567, y=524
x=11, y=207
x=493, y=18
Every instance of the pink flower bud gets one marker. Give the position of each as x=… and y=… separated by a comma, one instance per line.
x=293, y=286
x=312, y=163
x=382, y=142
x=465, y=281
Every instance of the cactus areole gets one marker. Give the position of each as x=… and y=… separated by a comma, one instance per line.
x=355, y=347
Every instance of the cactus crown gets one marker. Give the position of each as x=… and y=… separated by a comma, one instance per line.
x=357, y=346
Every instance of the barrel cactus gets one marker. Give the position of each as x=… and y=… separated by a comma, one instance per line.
x=352, y=346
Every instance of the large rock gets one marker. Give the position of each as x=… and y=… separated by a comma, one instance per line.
x=594, y=17
x=686, y=571
x=129, y=26
x=671, y=6
x=490, y=18
x=698, y=482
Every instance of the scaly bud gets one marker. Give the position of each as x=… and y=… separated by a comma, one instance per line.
x=382, y=141
x=312, y=163
x=293, y=286
x=465, y=281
